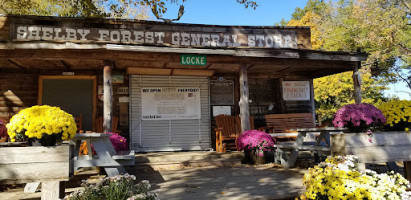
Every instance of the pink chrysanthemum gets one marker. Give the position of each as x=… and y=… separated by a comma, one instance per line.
x=254, y=139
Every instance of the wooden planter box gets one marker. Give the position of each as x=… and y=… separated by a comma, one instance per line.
x=380, y=147
x=31, y=164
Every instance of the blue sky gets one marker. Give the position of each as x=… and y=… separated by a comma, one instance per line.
x=228, y=12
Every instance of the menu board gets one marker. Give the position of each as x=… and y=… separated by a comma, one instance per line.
x=222, y=92
x=168, y=103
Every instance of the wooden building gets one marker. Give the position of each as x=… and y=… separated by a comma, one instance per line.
x=163, y=81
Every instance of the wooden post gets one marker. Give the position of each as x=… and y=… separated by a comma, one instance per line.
x=312, y=99
x=357, y=83
x=244, y=95
x=407, y=170
x=108, y=97
x=52, y=190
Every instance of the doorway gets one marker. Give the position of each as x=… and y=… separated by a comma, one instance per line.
x=73, y=94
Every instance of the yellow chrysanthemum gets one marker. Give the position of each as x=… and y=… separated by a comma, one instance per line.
x=37, y=121
x=397, y=111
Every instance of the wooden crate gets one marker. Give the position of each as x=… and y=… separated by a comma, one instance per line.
x=381, y=147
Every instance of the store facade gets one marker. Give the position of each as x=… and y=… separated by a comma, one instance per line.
x=163, y=81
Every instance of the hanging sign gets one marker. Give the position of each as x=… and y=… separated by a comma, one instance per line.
x=193, y=60
x=296, y=90
x=169, y=103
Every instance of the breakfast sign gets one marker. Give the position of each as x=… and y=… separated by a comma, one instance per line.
x=163, y=35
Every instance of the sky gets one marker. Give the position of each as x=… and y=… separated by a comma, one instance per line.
x=229, y=12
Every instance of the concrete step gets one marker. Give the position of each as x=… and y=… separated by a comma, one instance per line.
x=178, y=160
x=173, y=157
x=158, y=166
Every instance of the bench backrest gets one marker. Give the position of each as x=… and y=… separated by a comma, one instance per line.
x=280, y=123
x=231, y=125
x=381, y=147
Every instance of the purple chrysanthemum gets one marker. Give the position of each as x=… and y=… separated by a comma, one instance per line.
x=357, y=115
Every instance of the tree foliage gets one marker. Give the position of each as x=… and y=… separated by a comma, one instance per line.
x=378, y=27
x=93, y=8
x=333, y=92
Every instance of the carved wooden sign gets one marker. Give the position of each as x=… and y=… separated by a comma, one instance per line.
x=162, y=35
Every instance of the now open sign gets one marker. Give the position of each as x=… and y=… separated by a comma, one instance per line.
x=193, y=60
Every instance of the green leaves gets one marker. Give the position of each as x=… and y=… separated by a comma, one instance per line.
x=94, y=8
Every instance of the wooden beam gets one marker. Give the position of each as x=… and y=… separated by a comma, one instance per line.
x=67, y=66
x=191, y=72
x=357, y=83
x=16, y=64
x=99, y=54
x=148, y=71
x=244, y=96
x=108, y=96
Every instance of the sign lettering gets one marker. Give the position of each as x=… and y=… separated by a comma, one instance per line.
x=271, y=38
x=193, y=60
x=296, y=90
x=170, y=103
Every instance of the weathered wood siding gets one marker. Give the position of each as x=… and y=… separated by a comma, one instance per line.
x=17, y=91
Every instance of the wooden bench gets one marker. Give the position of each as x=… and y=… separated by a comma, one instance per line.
x=381, y=147
x=227, y=131
x=282, y=123
x=32, y=165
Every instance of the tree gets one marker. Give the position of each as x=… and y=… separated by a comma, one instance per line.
x=378, y=27
x=333, y=92
x=313, y=21
x=92, y=8
x=349, y=25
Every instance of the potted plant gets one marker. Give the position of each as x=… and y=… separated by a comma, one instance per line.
x=255, y=145
x=359, y=117
x=49, y=125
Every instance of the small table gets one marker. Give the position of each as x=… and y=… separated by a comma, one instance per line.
x=289, y=160
x=106, y=157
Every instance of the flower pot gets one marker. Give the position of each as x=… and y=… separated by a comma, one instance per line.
x=252, y=157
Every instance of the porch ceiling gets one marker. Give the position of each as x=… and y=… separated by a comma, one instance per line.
x=75, y=60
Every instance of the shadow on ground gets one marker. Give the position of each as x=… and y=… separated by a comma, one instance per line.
x=246, y=182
